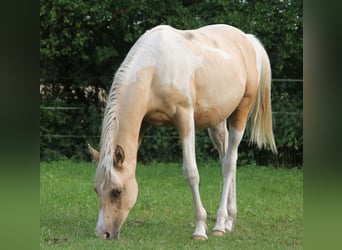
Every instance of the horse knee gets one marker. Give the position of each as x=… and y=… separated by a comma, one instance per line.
x=191, y=175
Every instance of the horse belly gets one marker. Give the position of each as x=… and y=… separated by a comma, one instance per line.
x=209, y=116
x=158, y=118
x=216, y=102
x=219, y=87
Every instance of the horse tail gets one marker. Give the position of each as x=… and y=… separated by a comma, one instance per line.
x=261, y=112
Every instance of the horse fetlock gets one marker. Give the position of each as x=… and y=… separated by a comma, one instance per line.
x=221, y=218
x=201, y=215
x=229, y=225
x=220, y=227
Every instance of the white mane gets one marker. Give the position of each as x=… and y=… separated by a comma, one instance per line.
x=110, y=124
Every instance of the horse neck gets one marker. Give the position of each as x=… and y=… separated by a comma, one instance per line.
x=131, y=113
x=131, y=97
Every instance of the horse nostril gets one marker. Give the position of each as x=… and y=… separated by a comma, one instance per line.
x=107, y=235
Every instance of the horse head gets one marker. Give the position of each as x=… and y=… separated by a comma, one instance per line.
x=116, y=189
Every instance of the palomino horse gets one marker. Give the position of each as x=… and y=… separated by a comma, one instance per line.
x=191, y=79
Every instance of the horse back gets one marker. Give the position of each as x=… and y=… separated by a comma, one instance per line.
x=207, y=70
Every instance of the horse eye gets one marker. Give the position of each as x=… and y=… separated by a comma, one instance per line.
x=116, y=193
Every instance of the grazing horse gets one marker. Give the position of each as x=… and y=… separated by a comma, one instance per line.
x=190, y=79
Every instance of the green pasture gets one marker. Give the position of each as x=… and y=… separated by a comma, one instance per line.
x=270, y=208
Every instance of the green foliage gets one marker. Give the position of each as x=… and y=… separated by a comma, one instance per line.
x=270, y=214
x=84, y=42
x=288, y=121
x=82, y=123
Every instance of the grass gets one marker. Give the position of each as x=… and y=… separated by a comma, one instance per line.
x=270, y=208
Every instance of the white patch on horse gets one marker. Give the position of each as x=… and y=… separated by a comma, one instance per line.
x=163, y=48
x=220, y=52
x=180, y=56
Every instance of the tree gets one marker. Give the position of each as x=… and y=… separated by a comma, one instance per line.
x=85, y=41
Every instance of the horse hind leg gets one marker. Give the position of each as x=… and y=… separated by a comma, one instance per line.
x=227, y=211
x=219, y=137
x=237, y=125
x=226, y=214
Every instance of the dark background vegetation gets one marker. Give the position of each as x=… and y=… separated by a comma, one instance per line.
x=82, y=43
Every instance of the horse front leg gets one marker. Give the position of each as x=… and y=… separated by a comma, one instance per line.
x=186, y=129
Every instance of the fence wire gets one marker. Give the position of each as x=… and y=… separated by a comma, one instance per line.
x=299, y=113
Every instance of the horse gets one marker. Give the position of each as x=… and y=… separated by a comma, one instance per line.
x=188, y=79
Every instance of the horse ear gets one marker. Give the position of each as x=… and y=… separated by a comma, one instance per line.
x=119, y=156
x=94, y=153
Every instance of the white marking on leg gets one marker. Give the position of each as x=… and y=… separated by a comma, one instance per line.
x=191, y=175
x=227, y=211
x=231, y=207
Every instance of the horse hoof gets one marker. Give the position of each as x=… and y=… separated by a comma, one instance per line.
x=218, y=233
x=199, y=237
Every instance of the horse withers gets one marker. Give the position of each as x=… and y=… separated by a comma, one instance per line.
x=189, y=79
